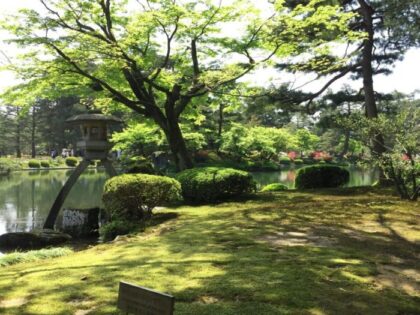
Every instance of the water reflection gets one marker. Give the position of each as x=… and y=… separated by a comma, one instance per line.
x=26, y=197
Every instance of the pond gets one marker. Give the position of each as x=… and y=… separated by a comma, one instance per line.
x=358, y=177
x=26, y=197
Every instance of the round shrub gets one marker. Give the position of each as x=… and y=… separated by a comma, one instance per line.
x=45, y=164
x=111, y=230
x=133, y=196
x=71, y=161
x=134, y=165
x=210, y=184
x=321, y=176
x=7, y=165
x=274, y=187
x=34, y=164
x=285, y=160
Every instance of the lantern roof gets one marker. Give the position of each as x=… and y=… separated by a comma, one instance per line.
x=93, y=117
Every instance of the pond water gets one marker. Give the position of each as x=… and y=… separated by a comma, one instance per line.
x=26, y=197
x=358, y=177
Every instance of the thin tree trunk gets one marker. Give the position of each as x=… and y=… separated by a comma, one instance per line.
x=346, y=144
x=33, y=131
x=18, y=135
x=220, y=121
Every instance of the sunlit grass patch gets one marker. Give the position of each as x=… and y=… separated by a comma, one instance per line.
x=218, y=259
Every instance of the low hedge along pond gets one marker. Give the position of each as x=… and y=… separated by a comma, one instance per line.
x=321, y=176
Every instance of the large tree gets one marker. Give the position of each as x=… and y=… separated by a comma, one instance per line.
x=391, y=27
x=155, y=57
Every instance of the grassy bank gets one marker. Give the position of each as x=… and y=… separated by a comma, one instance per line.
x=348, y=252
x=33, y=255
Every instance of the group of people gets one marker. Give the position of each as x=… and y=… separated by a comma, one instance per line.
x=64, y=153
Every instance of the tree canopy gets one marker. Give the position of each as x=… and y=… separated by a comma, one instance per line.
x=158, y=58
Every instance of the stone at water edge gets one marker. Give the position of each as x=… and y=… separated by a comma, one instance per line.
x=81, y=223
x=32, y=240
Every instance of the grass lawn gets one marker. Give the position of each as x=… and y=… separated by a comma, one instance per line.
x=348, y=252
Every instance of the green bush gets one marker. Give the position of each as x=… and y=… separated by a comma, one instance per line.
x=45, y=164
x=6, y=166
x=274, y=187
x=308, y=161
x=135, y=165
x=71, y=161
x=285, y=160
x=298, y=161
x=133, y=196
x=210, y=184
x=321, y=176
x=34, y=164
x=111, y=230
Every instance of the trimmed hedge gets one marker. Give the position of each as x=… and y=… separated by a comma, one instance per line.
x=45, y=164
x=285, y=160
x=298, y=161
x=71, y=161
x=133, y=196
x=34, y=164
x=321, y=176
x=274, y=187
x=211, y=184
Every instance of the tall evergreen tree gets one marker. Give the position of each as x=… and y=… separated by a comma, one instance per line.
x=391, y=27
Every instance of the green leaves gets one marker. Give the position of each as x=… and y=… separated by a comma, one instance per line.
x=261, y=142
x=401, y=138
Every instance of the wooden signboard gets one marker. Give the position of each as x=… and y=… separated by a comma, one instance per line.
x=137, y=300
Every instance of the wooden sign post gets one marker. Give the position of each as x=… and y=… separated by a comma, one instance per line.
x=138, y=300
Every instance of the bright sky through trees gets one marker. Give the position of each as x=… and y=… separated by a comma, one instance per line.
x=404, y=78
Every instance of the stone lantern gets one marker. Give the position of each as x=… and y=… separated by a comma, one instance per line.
x=94, y=128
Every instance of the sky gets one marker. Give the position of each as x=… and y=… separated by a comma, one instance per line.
x=405, y=77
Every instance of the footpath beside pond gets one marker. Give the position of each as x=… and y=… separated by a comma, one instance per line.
x=350, y=251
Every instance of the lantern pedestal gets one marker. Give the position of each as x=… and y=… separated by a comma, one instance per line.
x=94, y=128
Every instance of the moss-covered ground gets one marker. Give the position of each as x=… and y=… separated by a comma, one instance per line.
x=355, y=251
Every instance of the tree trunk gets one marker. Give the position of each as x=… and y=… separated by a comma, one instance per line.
x=220, y=121
x=18, y=135
x=170, y=125
x=177, y=146
x=33, y=147
x=346, y=144
x=367, y=12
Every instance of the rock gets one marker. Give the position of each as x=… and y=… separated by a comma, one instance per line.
x=81, y=222
x=32, y=240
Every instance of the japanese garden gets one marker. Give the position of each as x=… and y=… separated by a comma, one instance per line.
x=210, y=157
